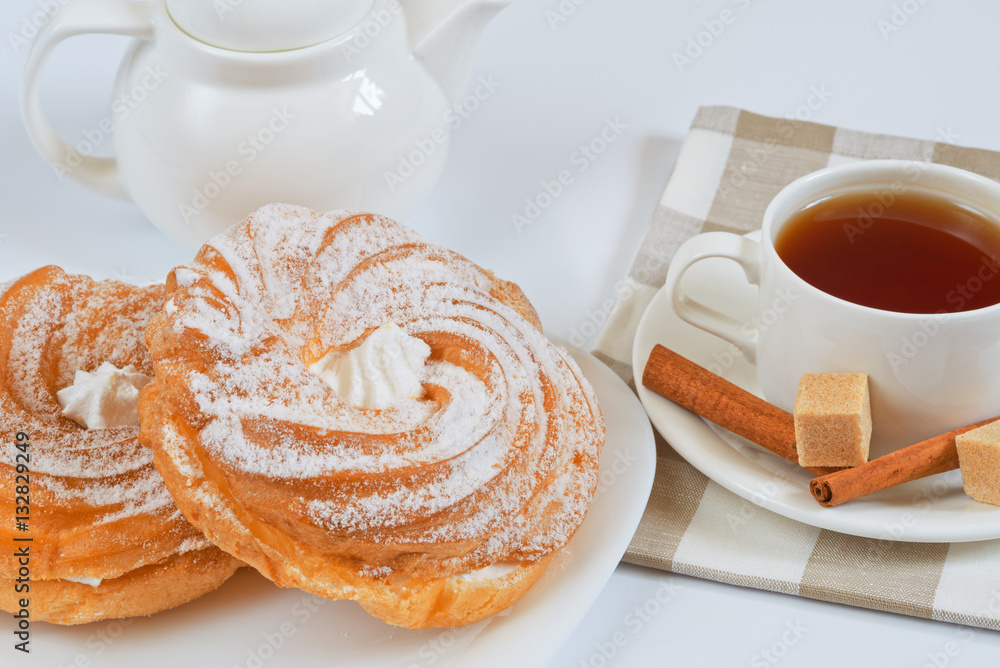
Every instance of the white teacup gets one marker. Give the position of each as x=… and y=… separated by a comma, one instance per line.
x=928, y=373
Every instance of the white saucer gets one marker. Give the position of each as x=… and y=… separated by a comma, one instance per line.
x=932, y=510
x=248, y=622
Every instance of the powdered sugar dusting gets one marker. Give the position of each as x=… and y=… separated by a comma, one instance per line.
x=61, y=324
x=143, y=493
x=501, y=451
x=193, y=543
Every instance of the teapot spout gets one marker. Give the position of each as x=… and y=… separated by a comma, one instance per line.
x=443, y=34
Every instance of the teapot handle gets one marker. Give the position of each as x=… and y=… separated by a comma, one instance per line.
x=132, y=19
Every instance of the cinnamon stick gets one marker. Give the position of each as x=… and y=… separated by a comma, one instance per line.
x=727, y=405
x=935, y=455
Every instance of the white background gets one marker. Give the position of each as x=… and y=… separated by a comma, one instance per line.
x=935, y=77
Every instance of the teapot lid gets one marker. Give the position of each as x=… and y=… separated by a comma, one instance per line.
x=266, y=25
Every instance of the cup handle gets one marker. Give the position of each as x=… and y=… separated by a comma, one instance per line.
x=741, y=250
x=133, y=19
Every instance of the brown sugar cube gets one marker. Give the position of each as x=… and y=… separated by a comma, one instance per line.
x=979, y=460
x=833, y=419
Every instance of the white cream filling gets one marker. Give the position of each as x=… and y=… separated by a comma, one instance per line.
x=93, y=582
x=491, y=572
x=105, y=398
x=381, y=372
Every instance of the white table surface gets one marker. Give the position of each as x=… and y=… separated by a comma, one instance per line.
x=936, y=77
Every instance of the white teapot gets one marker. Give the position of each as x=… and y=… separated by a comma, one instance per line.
x=225, y=105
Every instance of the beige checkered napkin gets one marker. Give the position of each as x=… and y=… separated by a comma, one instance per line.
x=730, y=166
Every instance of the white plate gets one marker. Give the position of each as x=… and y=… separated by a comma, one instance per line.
x=934, y=509
x=250, y=623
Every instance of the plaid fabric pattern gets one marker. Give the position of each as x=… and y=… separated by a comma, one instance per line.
x=730, y=166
